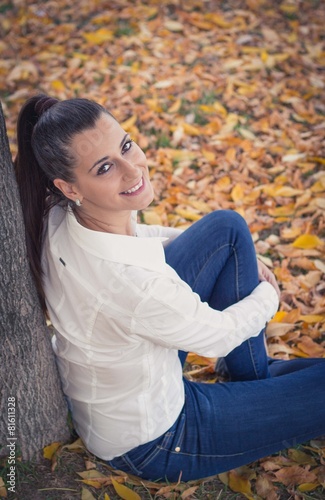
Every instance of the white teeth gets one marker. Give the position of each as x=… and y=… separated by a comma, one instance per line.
x=135, y=188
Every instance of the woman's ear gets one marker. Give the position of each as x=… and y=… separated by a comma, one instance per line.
x=67, y=189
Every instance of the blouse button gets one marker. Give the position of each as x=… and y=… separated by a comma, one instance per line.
x=177, y=449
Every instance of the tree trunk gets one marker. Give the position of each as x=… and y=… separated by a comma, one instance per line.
x=33, y=411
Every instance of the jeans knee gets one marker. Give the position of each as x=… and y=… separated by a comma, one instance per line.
x=227, y=219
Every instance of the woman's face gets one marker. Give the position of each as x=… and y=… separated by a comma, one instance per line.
x=112, y=176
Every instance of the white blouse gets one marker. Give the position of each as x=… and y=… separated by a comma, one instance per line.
x=121, y=314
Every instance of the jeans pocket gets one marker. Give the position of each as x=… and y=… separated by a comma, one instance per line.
x=146, y=455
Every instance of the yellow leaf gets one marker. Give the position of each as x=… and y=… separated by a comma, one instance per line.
x=175, y=107
x=220, y=109
x=237, y=193
x=86, y=495
x=202, y=25
x=191, y=129
x=231, y=122
x=288, y=191
x=98, y=37
x=231, y=155
x=154, y=105
x=282, y=211
x=76, y=445
x=151, y=217
x=49, y=451
x=317, y=159
x=301, y=457
x=223, y=183
x=58, y=85
x=125, y=492
x=218, y=20
x=92, y=474
x=307, y=486
x=318, y=186
x=288, y=8
x=264, y=55
x=186, y=214
x=127, y=124
x=195, y=359
x=307, y=241
x=312, y=318
x=278, y=317
x=106, y=497
x=102, y=18
x=92, y=482
x=240, y=484
x=209, y=155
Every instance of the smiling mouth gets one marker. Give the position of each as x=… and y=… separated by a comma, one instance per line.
x=135, y=188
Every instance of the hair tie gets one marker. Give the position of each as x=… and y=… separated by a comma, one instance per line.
x=43, y=104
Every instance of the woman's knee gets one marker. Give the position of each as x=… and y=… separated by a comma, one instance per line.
x=226, y=220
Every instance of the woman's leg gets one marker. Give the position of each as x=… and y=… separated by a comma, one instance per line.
x=223, y=426
x=226, y=425
x=216, y=257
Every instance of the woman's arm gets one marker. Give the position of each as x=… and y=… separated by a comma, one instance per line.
x=172, y=315
x=159, y=231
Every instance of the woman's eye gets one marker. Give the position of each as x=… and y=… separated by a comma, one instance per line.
x=103, y=169
x=127, y=146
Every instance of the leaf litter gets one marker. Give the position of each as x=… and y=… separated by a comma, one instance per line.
x=226, y=99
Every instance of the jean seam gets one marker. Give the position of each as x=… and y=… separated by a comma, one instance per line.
x=131, y=465
x=210, y=257
x=251, y=352
x=278, y=444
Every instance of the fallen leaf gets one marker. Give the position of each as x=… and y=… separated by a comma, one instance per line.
x=125, y=492
x=50, y=450
x=295, y=475
x=306, y=241
x=86, y=495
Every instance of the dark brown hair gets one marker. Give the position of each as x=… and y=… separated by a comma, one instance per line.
x=45, y=131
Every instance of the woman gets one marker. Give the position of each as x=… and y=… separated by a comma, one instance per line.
x=128, y=301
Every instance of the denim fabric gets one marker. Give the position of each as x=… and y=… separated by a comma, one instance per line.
x=268, y=405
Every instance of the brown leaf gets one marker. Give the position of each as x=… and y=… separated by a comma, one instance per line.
x=295, y=475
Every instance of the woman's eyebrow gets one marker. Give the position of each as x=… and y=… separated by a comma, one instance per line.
x=97, y=162
x=123, y=140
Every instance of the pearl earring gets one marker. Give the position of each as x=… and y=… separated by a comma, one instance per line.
x=78, y=202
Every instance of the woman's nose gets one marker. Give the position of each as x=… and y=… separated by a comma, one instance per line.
x=130, y=171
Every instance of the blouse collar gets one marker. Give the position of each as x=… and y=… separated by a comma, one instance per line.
x=144, y=251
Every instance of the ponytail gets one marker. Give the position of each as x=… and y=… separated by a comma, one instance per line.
x=32, y=184
x=45, y=131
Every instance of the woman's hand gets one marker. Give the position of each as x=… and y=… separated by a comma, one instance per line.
x=265, y=274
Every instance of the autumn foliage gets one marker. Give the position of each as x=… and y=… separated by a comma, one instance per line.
x=227, y=100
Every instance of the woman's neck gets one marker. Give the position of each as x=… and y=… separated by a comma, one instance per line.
x=122, y=225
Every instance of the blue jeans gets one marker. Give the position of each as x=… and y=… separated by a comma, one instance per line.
x=267, y=406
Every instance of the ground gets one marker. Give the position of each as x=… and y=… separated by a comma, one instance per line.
x=227, y=100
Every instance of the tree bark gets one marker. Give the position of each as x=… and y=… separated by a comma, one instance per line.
x=29, y=380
